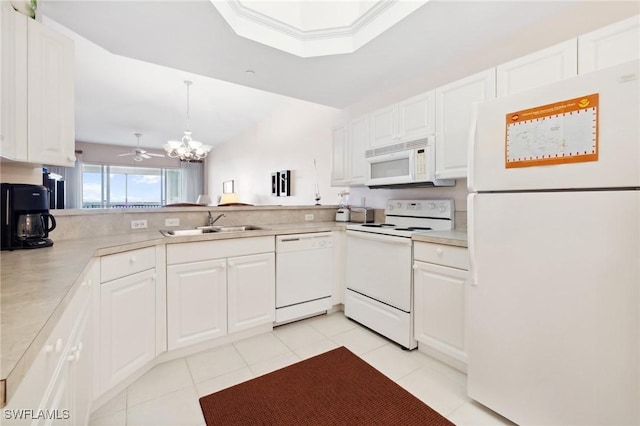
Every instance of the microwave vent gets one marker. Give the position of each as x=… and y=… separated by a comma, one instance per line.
x=399, y=147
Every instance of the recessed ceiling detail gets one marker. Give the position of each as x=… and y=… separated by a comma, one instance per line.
x=314, y=28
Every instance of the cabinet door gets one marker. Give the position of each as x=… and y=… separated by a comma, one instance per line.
x=454, y=106
x=439, y=304
x=50, y=96
x=251, y=290
x=383, y=127
x=537, y=69
x=339, y=173
x=417, y=117
x=13, y=87
x=196, y=302
x=128, y=330
x=610, y=45
x=358, y=141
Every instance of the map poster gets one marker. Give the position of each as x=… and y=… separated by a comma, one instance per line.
x=562, y=132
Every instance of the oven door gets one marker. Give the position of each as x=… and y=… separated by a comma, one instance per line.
x=389, y=169
x=379, y=266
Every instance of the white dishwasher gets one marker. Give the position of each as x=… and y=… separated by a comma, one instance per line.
x=304, y=275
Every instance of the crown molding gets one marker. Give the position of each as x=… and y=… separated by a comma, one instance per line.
x=262, y=28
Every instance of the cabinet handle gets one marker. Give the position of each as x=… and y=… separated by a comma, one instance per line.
x=231, y=264
x=132, y=259
x=71, y=358
x=72, y=158
x=439, y=250
x=58, y=345
x=415, y=266
x=48, y=349
x=154, y=277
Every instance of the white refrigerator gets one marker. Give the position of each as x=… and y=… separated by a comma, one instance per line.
x=554, y=237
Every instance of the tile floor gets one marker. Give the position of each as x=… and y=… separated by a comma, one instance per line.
x=168, y=394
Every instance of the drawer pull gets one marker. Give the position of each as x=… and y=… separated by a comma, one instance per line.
x=58, y=345
x=132, y=259
x=439, y=250
x=415, y=266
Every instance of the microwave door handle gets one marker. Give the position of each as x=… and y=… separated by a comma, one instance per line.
x=412, y=166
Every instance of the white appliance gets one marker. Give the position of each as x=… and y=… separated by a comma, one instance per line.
x=304, y=275
x=554, y=301
x=408, y=163
x=379, y=284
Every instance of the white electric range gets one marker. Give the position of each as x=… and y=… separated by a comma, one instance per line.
x=379, y=277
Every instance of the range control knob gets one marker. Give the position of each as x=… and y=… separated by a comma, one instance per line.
x=432, y=206
x=443, y=208
x=390, y=207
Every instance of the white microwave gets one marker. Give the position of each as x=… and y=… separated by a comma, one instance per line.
x=408, y=163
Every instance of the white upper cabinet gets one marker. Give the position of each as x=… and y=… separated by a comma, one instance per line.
x=358, y=139
x=408, y=120
x=383, y=127
x=340, y=156
x=537, y=69
x=454, y=106
x=610, y=45
x=37, y=92
x=349, y=144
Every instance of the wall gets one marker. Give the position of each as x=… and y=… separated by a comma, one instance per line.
x=289, y=139
x=94, y=153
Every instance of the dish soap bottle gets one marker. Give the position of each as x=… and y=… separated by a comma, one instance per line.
x=343, y=214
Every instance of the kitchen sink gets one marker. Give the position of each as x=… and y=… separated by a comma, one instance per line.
x=180, y=232
x=206, y=230
x=222, y=228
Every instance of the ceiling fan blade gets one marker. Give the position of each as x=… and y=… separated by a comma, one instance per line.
x=144, y=155
x=128, y=153
x=154, y=155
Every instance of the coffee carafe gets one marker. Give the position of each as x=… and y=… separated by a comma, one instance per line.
x=32, y=225
x=26, y=221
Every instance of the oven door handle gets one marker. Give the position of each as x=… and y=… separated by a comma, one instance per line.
x=380, y=238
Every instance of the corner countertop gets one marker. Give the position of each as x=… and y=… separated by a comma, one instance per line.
x=37, y=285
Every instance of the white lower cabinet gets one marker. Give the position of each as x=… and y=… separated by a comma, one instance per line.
x=219, y=287
x=196, y=302
x=128, y=325
x=440, y=300
x=127, y=315
x=58, y=385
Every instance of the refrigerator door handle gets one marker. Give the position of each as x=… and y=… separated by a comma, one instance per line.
x=473, y=279
x=471, y=145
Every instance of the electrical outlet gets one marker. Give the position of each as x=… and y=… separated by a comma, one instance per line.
x=308, y=216
x=172, y=222
x=139, y=224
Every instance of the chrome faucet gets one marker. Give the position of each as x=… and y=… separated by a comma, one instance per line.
x=212, y=220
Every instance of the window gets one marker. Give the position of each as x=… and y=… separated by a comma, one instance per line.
x=129, y=187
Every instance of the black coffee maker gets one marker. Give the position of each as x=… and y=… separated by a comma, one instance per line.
x=26, y=221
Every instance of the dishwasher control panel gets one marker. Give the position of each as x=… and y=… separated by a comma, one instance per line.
x=310, y=241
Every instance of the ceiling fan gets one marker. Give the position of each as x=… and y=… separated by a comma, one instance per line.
x=139, y=153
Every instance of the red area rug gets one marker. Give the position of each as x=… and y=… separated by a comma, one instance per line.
x=334, y=388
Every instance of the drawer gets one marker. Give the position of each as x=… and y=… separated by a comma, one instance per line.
x=209, y=250
x=441, y=254
x=120, y=265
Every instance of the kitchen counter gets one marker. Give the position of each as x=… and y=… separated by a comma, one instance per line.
x=451, y=238
x=37, y=285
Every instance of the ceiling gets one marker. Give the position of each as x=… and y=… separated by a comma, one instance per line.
x=129, y=76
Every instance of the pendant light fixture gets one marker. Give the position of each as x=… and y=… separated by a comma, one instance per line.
x=187, y=149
